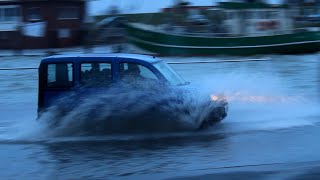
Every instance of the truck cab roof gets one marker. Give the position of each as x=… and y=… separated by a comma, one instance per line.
x=94, y=57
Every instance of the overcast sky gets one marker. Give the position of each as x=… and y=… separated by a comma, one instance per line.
x=136, y=6
x=96, y=7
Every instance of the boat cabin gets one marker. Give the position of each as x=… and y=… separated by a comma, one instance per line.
x=60, y=75
x=254, y=19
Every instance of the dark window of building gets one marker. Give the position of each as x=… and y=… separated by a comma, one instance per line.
x=96, y=74
x=64, y=33
x=68, y=13
x=34, y=14
x=9, y=13
x=3, y=35
x=60, y=75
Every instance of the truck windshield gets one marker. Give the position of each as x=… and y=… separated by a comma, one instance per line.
x=172, y=76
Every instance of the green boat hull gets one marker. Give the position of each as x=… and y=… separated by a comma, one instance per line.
x=182, y=45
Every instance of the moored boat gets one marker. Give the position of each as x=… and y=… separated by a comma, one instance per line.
x=246, y=30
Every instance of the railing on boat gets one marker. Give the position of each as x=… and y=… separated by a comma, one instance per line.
x=262, y=33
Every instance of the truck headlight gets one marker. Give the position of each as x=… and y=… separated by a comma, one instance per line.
x=214, y=98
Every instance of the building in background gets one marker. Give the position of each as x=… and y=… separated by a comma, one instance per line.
x=32, y=24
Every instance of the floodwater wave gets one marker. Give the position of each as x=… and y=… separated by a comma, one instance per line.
x=273, y=117
x=127, y=109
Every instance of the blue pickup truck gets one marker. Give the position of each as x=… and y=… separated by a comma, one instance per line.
x=67, y=81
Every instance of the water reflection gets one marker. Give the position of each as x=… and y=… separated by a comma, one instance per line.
x=132, y=157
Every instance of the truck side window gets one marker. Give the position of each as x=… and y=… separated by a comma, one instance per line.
x=60, y=75
x=136, y=71
x=96, y=74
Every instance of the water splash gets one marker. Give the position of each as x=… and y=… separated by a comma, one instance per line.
x=256, y=102
x=261, y=102
x=123, y=108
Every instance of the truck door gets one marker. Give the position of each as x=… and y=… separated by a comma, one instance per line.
x=55, y=80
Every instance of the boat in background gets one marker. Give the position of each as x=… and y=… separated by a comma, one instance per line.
x=244, y=29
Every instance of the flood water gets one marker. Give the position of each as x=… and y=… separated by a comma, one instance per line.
x=273, y=125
